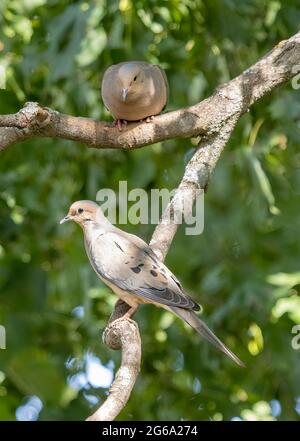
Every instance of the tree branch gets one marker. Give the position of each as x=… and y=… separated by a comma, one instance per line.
x=196, y=177
x=124, y=335
x=206, y=117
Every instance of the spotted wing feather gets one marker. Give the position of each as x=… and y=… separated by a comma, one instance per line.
x=129, y=263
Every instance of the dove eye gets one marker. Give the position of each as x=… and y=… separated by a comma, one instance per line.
x=80, y=210
x=134, y=79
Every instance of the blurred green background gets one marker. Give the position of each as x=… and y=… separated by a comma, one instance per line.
x=244, y=269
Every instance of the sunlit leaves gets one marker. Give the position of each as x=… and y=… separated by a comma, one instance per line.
x=290, y=305
x=261, y=411
x=256, y=344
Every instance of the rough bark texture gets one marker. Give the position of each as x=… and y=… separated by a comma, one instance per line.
x=213, y=119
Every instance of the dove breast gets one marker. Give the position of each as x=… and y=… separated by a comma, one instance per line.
x=146, y=87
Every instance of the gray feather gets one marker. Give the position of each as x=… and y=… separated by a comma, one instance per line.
x=195, y=322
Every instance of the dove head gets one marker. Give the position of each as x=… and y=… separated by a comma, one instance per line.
x=131, y=78
x=85, y=212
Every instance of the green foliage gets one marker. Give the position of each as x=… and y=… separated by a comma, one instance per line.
x=244, y=269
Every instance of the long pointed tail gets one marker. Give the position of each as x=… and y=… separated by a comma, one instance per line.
x=193, y=320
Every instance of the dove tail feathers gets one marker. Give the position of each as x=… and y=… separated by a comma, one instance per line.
x=194, y=321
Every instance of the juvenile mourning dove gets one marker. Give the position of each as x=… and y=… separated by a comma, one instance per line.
x=132, y=270
x=134, y=91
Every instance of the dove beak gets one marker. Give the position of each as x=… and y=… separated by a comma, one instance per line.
x=124, y=94
x=65, y=219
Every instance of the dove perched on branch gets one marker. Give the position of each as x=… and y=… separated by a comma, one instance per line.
x=134, y=91
x=132, y=270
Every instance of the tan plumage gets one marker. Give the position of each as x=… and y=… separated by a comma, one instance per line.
x=134, y=90
x=132, y=270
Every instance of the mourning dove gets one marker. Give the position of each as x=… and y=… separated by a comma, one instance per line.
x=134, y=91
x=132, y=270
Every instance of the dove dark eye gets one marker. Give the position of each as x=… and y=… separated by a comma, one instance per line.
x=80, y=210
x=134, y=79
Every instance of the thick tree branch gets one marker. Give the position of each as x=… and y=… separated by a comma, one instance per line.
x=207, y=117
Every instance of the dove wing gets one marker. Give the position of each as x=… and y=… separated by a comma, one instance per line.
x=166, y=83
x=130, y=264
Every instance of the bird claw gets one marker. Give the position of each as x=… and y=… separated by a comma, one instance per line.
x=124, y=317
x=119, y=122
x=129, y=313
x=148, y=119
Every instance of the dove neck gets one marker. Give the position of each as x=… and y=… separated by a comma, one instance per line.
x=93, y=228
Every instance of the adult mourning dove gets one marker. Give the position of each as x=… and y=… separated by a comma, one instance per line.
x=132, y=270
x=134, y=91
